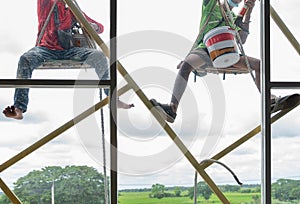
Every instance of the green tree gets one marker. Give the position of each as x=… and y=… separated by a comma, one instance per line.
x=231, y=188
x=73, y=184
x=286, y=189
x=177, y=191
x=202, y=190
x=256, y=199
x=4, y=199
x=295, y=193
x=158, y=191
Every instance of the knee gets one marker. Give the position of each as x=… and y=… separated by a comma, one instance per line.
x=23, y=60
x=185, y=68
x=255, y=64
x=30, y=59
x=24, y=68
x=97, y=54
x=97, y=59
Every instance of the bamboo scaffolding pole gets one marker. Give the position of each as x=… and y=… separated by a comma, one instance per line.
x=171, y=133
x=285, y=29
x=161, y=121
x=13, y=198
x=158, y=117
x=146, y=101
x=142, y=96
x=59, y=131
x=88, y=28
x=246, y=137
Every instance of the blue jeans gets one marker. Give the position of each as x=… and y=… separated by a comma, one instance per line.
x=37, y=55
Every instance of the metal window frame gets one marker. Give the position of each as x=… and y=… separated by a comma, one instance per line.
x=266, y=86
x=53, y=83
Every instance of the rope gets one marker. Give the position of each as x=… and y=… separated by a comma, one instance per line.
x=93, y=45
x=194, y=45
x=104, y=153
x=226, y=167
x=195, y=187
x=203, y=28
x=249, y=69
x=239, y=42
x=218, y=162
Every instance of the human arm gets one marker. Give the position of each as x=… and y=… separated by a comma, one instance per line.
x=98, y=27
x=244, y=25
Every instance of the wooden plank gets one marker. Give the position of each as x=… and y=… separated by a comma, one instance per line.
x=64, y=64
x=229, y=70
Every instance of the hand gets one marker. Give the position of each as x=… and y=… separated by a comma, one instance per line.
x=95, y=27
x=250, y=4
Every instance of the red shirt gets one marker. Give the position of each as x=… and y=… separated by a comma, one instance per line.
x=66, y=18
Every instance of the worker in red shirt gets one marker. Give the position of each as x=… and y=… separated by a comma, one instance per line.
x=48, y=47
x=66, y=21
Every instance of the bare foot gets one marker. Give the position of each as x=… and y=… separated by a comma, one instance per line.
x=123, y=105
x=13, y=112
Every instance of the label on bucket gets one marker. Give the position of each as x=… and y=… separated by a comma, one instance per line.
x=221, y=45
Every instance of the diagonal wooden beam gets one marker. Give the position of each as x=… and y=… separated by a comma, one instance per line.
x=13, y=198
x=88, y=28
x=145, y=100
x=171, y=133
x=246, y=137
x=59, y=131
x=285, y=29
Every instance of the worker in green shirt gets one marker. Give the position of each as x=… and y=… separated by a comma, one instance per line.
x=198, y=57
x=216, y=15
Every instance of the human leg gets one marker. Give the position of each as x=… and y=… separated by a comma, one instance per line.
x=191, y=62
x=254, y=64
x=96, y=59
x=27, y=63
x=277, y=103
x=93, y=57
x=181, y=81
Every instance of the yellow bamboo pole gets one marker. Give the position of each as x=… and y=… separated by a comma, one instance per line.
x=246, y=137
x=59, y=131
x=285, y=29
x=161, y=121
x=171, y=133
x=81, y=19
x=13, y=198
x=88, y=28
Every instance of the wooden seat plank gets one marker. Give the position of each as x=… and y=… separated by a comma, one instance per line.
x=64, y=64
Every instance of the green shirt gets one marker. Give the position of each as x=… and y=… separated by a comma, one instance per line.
x=215, y=20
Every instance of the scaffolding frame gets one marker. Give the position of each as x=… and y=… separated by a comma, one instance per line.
x=266, y=11
x=131, y=85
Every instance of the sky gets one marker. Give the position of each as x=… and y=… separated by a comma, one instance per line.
x=153, y=37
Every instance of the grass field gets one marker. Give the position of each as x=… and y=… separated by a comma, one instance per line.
x=143, y=198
